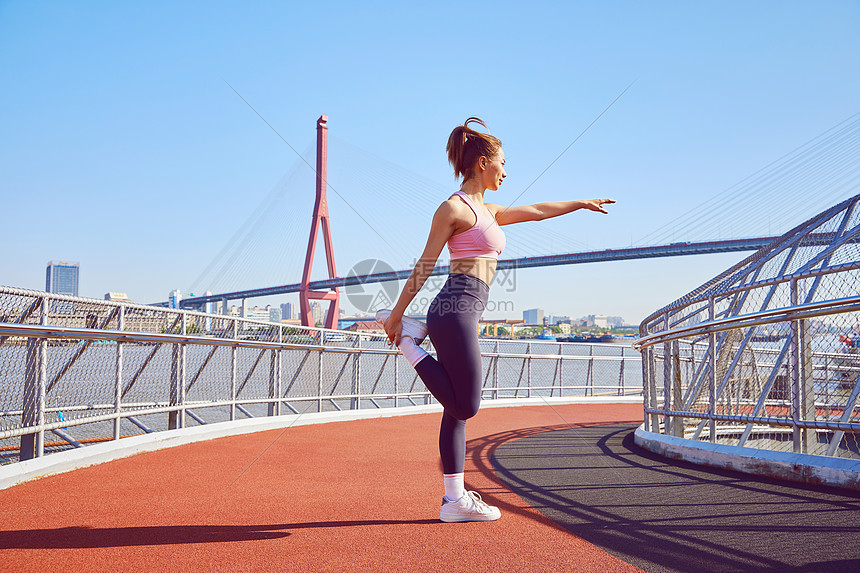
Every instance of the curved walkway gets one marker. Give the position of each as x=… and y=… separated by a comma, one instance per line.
x=670, y=516
x=345, y=496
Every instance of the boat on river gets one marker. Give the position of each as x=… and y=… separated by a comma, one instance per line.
x=588, y=337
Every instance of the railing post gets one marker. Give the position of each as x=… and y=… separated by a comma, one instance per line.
x=30, y=409
x=677, y=396
x=33, y=410
x=183, y=370
x=356, y=378
x=319, y=374
x=233, y=367
x=560, y=372
x=712, y=372
x=529, y=370
x=176, y=418
x=496, y=371
x=652, y=389
x=118, y=386
x=646, y=385
x=795, y=373
x=667, y=379
x=279, y=376
x=273, y=364
x=589, y=375
x=43, y=380
x=174, y=387
x=396, y=385
x=807, y=390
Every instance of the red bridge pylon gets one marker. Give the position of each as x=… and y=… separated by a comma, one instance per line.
x=320, y=216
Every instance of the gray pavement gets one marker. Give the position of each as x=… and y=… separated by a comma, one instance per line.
x=664, y=515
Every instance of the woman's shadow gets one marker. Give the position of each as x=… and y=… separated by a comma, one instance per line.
x=82, y=537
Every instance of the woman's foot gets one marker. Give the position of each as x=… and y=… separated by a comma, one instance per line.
x=470, y=507
x=414, y=329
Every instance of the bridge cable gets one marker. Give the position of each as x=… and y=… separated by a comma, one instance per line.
x=833, y=148
x=307, y=163
x=240, y=239
x=571, y=145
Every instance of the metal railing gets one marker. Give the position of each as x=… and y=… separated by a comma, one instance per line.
x=767, y=354
x=82, y=370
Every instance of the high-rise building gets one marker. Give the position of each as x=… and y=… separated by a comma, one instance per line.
x=318, y=313
x=533, y=316
x=288, y=311
x=175, y=298
x=274, y=313
x=62, y=277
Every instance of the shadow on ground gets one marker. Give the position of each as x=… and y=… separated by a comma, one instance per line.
x=665, y=515
x=91, y=537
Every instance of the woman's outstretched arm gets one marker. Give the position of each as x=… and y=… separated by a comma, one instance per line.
x=541, y=211
x=441, y=229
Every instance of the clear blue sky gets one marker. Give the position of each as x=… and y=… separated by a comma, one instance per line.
x=123, y=148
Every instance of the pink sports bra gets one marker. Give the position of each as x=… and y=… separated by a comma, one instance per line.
x=484, y=239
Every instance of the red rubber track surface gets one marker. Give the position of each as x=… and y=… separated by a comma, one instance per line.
x=344, y=496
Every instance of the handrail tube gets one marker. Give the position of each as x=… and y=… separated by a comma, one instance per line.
x=700, y=299
x=835, y=306
x=764, y=420
x=63, y=332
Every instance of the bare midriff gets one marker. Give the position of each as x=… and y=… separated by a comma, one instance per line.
x=483, y=268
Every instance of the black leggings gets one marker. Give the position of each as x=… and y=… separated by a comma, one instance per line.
x=454, y=377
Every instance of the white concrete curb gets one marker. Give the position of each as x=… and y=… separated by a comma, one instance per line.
x=13, y=474
x=805, y=468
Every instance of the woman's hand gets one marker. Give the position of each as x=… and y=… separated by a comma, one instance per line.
x=597, y=205
x=392, y=328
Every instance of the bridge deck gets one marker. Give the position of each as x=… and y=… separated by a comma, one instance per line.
x=347, y=496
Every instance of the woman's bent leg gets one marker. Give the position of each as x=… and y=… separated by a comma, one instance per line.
x=452, y=444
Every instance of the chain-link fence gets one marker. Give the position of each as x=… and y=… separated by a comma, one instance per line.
x=75, y=371
x=767, y=354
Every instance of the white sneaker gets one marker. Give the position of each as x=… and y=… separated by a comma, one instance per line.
x=470, y=507
x=414, y=329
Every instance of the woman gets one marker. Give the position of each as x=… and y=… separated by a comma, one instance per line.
x=471, y=228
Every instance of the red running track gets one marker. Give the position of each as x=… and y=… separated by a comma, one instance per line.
x=345, y=496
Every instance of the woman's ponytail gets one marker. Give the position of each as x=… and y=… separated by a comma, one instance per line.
x=466, y=146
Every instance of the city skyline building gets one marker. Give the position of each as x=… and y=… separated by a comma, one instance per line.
x=62, y=277
x=117, y=297
x=274, y=313
x=288, y=311
x=533, y=316
x=266, y=313
x=318, y=313
x=598, y=320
